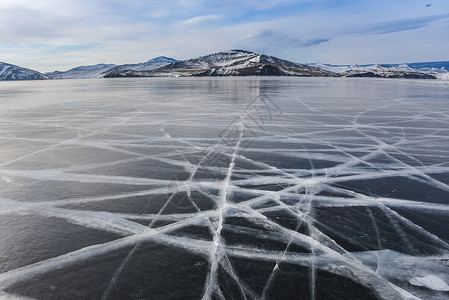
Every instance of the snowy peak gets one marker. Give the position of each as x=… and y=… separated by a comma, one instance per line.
x=13, y=72
x=246, y=63
x=218, y=60
x=230, y=63
x=161, y=59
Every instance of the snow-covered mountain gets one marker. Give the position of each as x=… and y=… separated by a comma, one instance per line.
x=12, y=72
x=100, y=70
x=231, y=63
x=152, y=64
x=94, y=71
x=439, y=69
x=414, y=70
x=234, y=63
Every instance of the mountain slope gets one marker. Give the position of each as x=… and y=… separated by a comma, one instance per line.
x=94, y=71
x=387, y=71
x=150, y=65
x=13, y=72
x=438, y=68
x=100, y=70
x=231, y=63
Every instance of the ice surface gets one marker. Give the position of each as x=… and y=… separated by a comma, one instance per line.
x=247, y=188
x=431, y=282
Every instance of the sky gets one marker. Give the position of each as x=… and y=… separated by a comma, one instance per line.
x=48, y=35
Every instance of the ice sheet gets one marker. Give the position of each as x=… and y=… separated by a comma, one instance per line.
x=283, y=186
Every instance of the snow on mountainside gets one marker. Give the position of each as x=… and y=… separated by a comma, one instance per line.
x=146, y=66
x=234, y=63
x=94, y=71
x=12, y=72
x=100, y=70
x=388, y=71
x=231, y=63
x=440, y=68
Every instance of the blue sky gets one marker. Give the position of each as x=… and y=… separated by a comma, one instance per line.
x=49, y=35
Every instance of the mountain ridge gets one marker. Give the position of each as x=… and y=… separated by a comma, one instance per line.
x=149, y=65
x=90, y=71
x=385, y=71
x=233, y=62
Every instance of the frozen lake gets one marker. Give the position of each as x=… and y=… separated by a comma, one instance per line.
x=224, y=188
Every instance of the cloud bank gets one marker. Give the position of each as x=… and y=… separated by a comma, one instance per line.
x=57, y=35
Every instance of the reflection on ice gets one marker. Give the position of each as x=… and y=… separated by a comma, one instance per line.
x=226, y=188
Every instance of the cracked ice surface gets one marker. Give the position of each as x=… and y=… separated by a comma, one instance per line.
x=229, y=188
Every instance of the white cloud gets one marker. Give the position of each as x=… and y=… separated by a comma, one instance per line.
x=53, y=34
x=202, y=19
